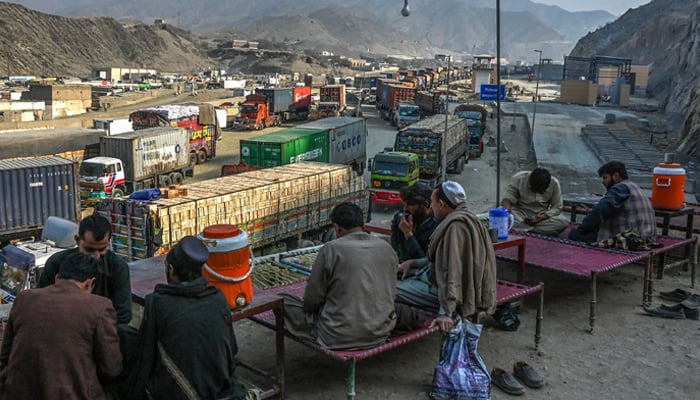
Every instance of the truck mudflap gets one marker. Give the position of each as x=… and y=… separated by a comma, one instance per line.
x=384, y=197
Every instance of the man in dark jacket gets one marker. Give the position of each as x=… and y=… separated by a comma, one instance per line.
x=61, y=341
x=94, y=234
x=186, y=344
x=412, y=226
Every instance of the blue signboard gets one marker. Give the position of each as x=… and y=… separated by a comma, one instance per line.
x=488, y=92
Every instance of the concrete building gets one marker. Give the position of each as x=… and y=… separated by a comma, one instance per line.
x=122, y=74
x=21, y=111
x=61, y=100
x=483, y=71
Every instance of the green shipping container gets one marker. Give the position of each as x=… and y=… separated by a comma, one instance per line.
x=288, y=146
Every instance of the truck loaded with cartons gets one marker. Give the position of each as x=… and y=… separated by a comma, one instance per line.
x=199, y=121
x=337, y=140
x=272, y=106
x=148, y=158
x=476, y=118
x=332, y=101
x=276, y=207
x=33, y=189
x=417, y=156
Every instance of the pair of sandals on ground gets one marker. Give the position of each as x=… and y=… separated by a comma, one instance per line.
x=685, y=305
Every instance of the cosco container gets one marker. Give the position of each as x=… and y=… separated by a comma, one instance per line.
x=148, y=152
x=31, y=190
x=348, y=140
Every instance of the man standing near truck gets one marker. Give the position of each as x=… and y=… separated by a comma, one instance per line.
x=113, y=282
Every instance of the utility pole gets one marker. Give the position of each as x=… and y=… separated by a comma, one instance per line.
x=537, y=100
x=444, y=135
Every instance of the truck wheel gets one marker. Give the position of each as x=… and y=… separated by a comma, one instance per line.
x=201, y=157
x=176, y=178
x=193, y=158
x=117, y=193
x=164, y=181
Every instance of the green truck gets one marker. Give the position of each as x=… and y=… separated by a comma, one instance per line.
x=336, y=140
x=417, y=156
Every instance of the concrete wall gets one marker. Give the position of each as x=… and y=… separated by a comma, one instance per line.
x=578, y=92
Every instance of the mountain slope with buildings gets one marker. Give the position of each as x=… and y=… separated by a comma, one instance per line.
x=664, y=34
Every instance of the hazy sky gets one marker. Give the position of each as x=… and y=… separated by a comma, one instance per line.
x=617, y=7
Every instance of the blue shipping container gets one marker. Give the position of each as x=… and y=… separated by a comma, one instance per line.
x=31, y=190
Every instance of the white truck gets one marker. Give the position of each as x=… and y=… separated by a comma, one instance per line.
x=148, y=158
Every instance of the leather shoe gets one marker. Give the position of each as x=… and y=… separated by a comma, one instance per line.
x=677, y=295
x=692, y=302
x=527, y=375
x=506, y=382
x=673, y=311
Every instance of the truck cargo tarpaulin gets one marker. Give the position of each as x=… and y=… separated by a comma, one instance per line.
x=74, y=143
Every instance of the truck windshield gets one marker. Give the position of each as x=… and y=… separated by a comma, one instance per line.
x=249, y=109
x=91, y=169
x=409, y=111
x=469, y=114
x=328, y=106
x=390, y=168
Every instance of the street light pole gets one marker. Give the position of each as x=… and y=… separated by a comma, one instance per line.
x=498, y=102
x=444, y=135
x=537, y=100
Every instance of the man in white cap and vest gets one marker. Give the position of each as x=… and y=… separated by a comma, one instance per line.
x=461, y=278
x=186, y=344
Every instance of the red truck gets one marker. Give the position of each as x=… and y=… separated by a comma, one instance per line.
x=271, y=107
x=332, y=101
x=200, y=121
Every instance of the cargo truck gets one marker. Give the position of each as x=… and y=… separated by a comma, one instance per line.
x=424, y=139
x=392, y=96
x=272, y=106
x=332, y=101
x=199, y=121
x=336, y=140
x=406, y=114
x=430, y=102
x=32, y=190
x=148, y=158
x=276, y=207
x=476, y=118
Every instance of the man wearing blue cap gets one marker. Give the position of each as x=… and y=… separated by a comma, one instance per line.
x=186, y=342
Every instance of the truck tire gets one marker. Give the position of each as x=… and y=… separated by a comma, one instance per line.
x=164, y=181
x=193, y=158
x=176, y=178
x=201, y=157
x=117, y=192
x=460, y=164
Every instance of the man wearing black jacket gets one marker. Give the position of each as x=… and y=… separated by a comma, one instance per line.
x=186, y=345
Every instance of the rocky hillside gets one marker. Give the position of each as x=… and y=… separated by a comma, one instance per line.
x=353, y=26
x=37, y=43
x=666, y=35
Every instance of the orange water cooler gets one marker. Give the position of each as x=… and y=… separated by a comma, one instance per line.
x=667, y=192
x=228, y=266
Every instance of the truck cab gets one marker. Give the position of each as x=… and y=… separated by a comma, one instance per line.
x=476, y=117
x=255, y=113
x=392, y=170
x=101, y=177
x=329, y=109
x=407, y=114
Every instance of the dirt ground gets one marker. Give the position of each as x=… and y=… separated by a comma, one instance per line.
x=630, y=356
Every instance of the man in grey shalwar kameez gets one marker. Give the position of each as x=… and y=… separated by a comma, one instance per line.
x=349, y=298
